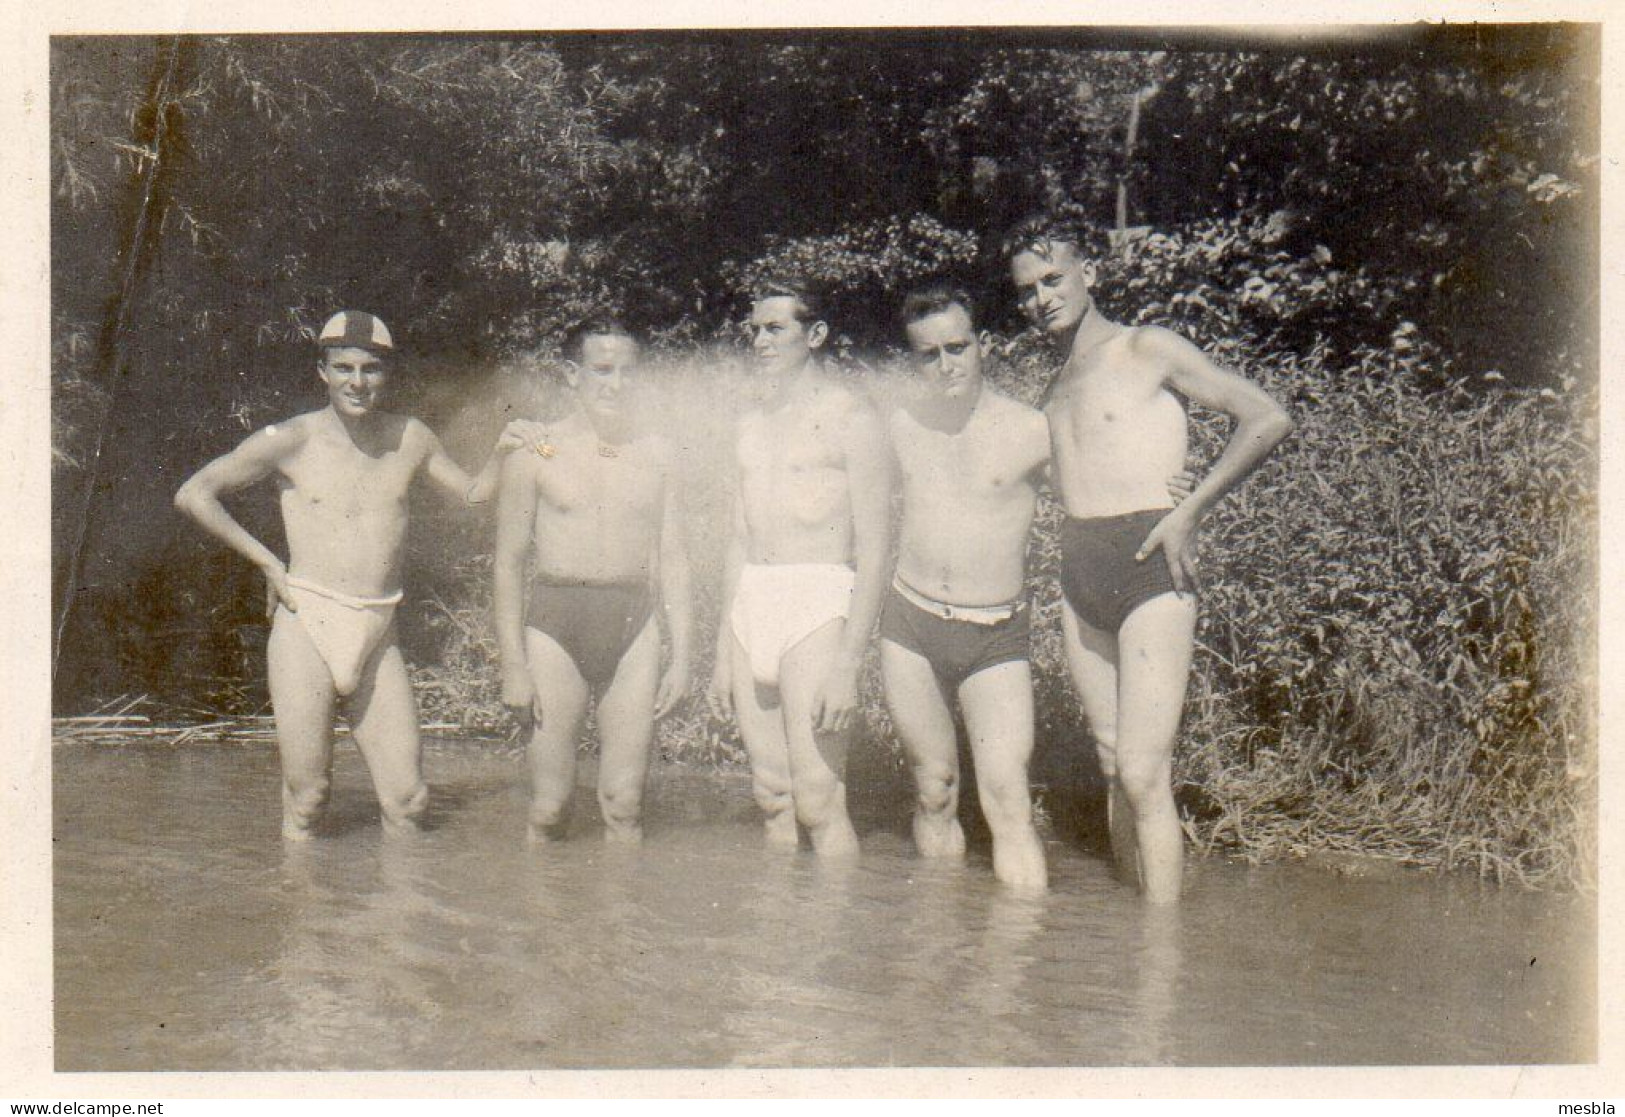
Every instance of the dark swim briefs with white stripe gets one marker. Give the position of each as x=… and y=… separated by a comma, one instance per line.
x=956, y=647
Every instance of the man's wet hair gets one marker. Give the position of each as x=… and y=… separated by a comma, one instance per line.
x=934, y=298
x=811, y=303
x=600, y=323
x=1037, y=232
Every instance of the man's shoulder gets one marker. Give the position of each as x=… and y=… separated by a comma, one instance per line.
x=524, y=465
x=1013, y=426
x=906, y=430
x=284, y=436
x=298, y=425
x=903, y=416
x=1008, y=416
x=751, y=421
x=409, y=427
x=412, y=435
x=849, y=408
x=1155, y=345
x=853, y=397
x=566, y=439
x=1008, y=409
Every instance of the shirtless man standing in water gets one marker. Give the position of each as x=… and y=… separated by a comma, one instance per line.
x=804, y=575
x=599, y=503
x=955, y=622
x=344, y=474
x=1117, y=432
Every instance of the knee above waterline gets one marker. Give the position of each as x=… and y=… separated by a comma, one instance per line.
x=406, y=808
x=620, y=804
x=307, y=800
x=1144, y=780
x=936, y=789
x=1004, y=799
x=816, y=801
x=771, y=796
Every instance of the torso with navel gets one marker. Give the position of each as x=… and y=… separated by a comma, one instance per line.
x=968, y=501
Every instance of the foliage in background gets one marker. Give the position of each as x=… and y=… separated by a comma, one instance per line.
x=1391, y=233
x=1397, y=631
x=1459, y=180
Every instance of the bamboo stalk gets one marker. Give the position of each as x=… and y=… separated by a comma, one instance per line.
x=102, y=717
x=113, y=333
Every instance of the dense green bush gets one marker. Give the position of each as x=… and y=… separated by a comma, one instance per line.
x=1396, y=627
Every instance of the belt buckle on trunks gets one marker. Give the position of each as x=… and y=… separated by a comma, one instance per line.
x=975, y=614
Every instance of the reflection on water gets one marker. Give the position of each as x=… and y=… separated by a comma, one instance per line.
x=189, y=936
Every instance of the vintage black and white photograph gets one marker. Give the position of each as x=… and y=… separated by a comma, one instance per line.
x=1064, y=547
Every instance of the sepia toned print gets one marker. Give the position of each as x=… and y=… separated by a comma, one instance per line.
x=1370, y=773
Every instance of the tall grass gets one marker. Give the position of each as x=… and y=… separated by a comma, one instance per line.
x=1397, y=632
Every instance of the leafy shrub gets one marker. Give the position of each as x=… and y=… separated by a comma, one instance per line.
x=1395, y=627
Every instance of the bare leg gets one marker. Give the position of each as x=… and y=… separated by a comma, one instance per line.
x=302, y=699
x=561, y=706
x=817, y=760
x=1154, y=661
x=384, y=719
x=761, y=726
x=626, y=728
x=998, y=705
x=920, y=713
x=1091, y=660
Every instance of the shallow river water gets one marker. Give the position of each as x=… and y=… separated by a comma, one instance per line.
x=189, y=937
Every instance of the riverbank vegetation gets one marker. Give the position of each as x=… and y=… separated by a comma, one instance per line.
x=1395, y=234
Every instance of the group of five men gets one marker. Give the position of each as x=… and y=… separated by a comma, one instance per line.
x=592, y=504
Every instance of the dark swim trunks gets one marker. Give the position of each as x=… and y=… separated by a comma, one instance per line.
x=1102, y=580
x=957, y=642
x=594, y=623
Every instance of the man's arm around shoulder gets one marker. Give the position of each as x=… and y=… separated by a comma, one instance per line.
x=1021, y=426
x=454, y=481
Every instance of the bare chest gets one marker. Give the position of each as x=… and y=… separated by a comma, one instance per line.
x=786, y=447
x=339, y=480
x=620, y=481
x=1114, y=406
x=937, y=466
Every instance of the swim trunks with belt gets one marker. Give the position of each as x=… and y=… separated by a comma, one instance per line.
x=957, y=640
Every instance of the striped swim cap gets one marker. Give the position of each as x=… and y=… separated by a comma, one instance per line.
x=355, y=329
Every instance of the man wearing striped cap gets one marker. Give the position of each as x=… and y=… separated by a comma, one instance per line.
x=343, y=474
